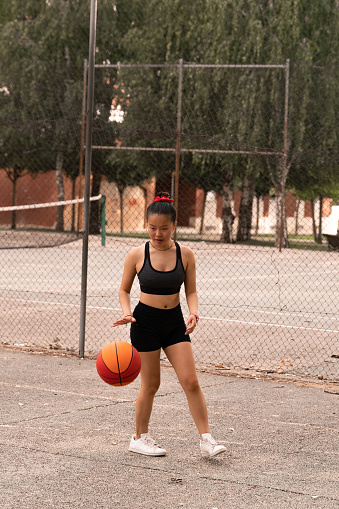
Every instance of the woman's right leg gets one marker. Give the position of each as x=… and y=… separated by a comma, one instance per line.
x=150, y=382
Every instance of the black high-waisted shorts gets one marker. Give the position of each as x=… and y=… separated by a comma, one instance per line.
x=157, y=328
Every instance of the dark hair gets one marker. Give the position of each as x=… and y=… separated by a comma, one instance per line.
x=164, y=208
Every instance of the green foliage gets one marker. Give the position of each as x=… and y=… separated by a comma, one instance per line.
x=125, y=169
x=43, y=46
x=238, y=109
x=42, y=49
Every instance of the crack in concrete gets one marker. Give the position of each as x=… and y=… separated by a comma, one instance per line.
x=273, y=488
x=28, y=419
x=59, y=391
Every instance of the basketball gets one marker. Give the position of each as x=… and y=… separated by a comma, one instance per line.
x=118, y=363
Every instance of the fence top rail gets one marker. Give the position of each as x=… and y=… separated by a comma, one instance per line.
x=194, y=65
x=193, y=150
x=236, y=66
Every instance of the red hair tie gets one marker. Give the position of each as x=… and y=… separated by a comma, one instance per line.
x=163, y=198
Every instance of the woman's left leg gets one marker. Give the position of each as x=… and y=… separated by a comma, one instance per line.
x=181, y=357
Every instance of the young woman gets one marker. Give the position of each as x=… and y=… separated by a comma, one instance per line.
x=162, y=266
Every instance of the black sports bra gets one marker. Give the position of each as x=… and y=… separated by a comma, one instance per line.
x=158, y=282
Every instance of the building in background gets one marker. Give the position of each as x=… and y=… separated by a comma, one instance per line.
x=42, y=189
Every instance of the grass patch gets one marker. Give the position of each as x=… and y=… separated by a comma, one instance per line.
x=129, y=235
x=296, y=242
x=262, y=240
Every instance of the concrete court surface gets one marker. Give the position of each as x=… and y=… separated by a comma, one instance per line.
x=65, y=434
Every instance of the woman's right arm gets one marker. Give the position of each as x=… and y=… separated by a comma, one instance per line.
x=125, y=288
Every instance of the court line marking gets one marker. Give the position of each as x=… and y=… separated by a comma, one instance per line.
x=240, y=308
x=274, y=275
x=229, y=320
x=307, y=314
x=269, y=324
x=61, y=391
x=60, y=304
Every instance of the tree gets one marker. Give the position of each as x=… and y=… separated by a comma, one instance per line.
x=40, y=104
x=239, y=109
x=245, y=209
x=124, y=170
x=15, y=162
x=19, y=137
x=178, y=33
x=204, y=172
x=263, y=187
x=311, y=185
x=50, y=42
x=310, y=125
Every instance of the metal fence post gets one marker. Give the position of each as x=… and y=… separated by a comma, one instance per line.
x=284, y=157
x=103, y=220
x=177, y=150
x=83, y=117
x=88, y=157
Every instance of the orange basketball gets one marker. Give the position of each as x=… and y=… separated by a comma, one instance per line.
x=118, y=363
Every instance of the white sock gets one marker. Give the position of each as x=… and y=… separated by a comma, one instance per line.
x=205, y=436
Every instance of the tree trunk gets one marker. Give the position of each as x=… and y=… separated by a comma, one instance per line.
x=121, y=189
x=314, y=227
x=202, y=223
x=257, y=217
x=94, y=213
x=227, y=215
x=13, y=175
x=73, y=207
x=145, y=206
x=320, y=226
x=14, y=180
x=281, y=237
x=278, y=177
x=245, y=210
x=296, y=229
x=61, y=194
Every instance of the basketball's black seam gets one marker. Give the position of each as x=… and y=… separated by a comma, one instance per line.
x=116, y=351
x=136, y=371
x=112, y=372
x=105, y=363
x=122, y=379
x=119, y=373
x=130, y=362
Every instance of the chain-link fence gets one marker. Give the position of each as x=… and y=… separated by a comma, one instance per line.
x=250, y=154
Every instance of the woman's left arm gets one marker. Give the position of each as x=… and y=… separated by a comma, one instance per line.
x=191, y=291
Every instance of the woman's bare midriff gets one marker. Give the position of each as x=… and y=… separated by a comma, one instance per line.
x=160, y=301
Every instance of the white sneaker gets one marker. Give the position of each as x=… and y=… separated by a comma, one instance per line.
x=209, y=447
x=145, y=445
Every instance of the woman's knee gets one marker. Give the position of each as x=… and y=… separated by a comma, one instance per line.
x=150, y=387
x=190, y=383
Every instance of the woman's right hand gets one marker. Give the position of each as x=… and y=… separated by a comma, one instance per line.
x=124, y=321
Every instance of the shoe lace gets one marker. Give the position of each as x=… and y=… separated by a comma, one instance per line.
x=150, y=442
x=210, y=441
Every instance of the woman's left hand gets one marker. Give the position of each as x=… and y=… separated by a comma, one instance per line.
x=124, y=321
x=191, y=324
